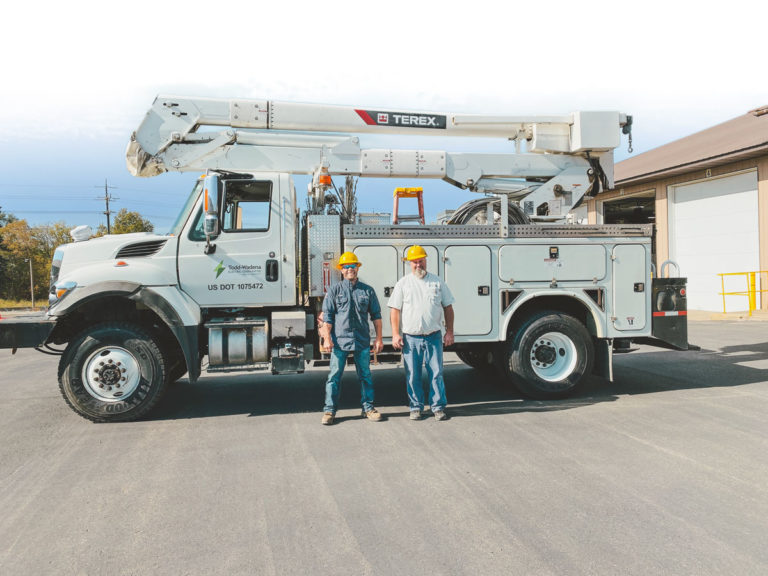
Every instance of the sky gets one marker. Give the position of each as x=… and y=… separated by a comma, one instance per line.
x=79, y=76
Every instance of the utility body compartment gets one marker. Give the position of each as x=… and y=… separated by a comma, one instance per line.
x=603, y=270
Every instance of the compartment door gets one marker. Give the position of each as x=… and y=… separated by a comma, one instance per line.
x=631, y=287
x=379, y=271
x=468, y=275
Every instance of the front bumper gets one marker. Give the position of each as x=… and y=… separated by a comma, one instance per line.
x=30, y=331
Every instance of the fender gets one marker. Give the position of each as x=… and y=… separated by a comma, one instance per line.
x=186, y=334
x=585, y=302
x=80, y=296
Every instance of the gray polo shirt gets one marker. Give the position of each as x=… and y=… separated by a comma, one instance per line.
x=421, y=302
x=347, y=306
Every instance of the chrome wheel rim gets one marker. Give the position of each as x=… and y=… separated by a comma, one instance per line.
x=553, y=356
x=111, y=374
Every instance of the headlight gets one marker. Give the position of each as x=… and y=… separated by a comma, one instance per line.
x=59, y=290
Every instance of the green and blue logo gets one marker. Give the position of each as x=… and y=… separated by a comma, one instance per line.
x=219, y=269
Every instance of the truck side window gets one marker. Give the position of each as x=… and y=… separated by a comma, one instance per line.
x=196, y=233
x=246, y=205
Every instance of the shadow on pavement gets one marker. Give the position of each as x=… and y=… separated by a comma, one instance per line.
x=470, y=392
x=658, y=371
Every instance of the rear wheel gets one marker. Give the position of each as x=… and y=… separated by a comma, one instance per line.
x=549, y=356
x=112, y=372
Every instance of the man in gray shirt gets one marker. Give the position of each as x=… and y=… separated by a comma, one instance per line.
x=346, y=308
x=420, y=300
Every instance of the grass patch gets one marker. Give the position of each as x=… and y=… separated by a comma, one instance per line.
x=19, y=304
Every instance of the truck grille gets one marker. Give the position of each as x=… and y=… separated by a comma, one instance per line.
x=141, y=249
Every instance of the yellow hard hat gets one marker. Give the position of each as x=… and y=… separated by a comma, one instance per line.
x=415, y=252
x=348, y=258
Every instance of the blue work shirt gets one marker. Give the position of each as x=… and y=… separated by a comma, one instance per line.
x=347, y=306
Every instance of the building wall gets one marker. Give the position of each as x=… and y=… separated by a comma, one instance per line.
x=662, y=218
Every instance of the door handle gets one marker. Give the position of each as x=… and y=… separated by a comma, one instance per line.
x=272, y=271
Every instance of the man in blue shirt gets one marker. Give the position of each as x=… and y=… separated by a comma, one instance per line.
x=346, y=308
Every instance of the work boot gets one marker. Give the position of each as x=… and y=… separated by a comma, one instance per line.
x=440, y=415
x=373, y=415
x=328, y=418
x=415, y=415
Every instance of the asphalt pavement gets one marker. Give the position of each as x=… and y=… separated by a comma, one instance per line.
x=661, y=472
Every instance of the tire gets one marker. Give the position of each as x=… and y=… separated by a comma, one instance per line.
x=549, y=356
x=113, y=372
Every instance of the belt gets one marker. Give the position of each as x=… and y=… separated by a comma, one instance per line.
x=423, y=335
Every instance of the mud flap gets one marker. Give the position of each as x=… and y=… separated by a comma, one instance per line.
x=603, y=366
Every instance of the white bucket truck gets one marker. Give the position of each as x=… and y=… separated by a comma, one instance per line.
x=239, y=281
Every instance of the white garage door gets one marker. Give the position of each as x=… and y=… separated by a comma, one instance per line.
x=714, y=229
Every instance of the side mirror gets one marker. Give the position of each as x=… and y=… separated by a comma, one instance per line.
x=210, y=205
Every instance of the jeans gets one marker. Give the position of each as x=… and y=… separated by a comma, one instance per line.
x=333, y=384
x=426, y=351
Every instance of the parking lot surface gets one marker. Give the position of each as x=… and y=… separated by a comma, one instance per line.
x=661, y=472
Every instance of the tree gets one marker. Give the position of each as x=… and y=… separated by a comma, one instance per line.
x=22, y=244
x=19, y=248
x=5, y=219
x=127, y=222
x=50, y=236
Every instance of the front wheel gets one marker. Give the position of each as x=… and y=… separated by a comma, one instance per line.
x=112, y=372
x=549, y=356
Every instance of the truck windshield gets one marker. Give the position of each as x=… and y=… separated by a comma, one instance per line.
x=188, y=205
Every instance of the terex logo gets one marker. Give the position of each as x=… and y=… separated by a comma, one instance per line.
x=377, y=118
x=414, y=120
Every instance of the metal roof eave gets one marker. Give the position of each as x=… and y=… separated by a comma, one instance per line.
x=703, y=163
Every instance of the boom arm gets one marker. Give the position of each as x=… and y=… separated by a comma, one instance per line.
x=569, y=156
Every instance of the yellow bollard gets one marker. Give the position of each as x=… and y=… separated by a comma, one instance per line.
x=722, y=289
x=752, y=299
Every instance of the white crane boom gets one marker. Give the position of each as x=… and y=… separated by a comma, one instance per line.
x=569, y=156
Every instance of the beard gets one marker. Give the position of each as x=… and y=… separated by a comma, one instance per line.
x=419, y=273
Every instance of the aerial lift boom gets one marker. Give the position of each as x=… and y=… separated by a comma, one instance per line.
x=568, y=156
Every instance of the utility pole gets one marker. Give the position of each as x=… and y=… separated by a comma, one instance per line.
x=107, y=197
x=31, y=281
